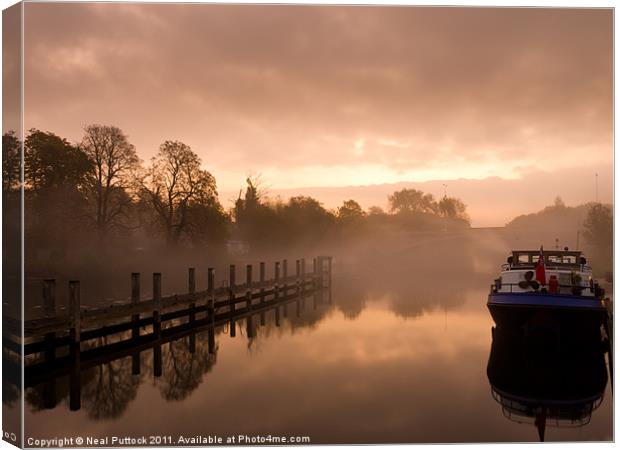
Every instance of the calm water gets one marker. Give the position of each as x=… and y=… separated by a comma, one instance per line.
x=336, y=374
x=392, y=359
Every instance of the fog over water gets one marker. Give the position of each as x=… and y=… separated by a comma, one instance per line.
x=399, y=355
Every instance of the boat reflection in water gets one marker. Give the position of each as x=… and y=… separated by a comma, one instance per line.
x=547, y=382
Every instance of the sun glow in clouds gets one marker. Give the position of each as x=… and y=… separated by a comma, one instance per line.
x=381, y=95
x=312, y=176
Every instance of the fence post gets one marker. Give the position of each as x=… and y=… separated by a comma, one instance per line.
x=231, y=276
x=231, y=298
x=135, y=330
x=314, y=273
x=231, y=287
x=297, y=275
x=329, y=279
x=284, y=276
x=211, y=332
x=315, y=287
x=191, y=288
x=276, y=286
x=248, y=300
x=303, y=275
x=157, y=305
x=319, y=271
x=262, y=292
x=248, y=284
x=49, y=305
x=191, y=282
x=315, y=281
x=135, y=299
x=298, y=283
x=319, y=277
x=210, y=292
x=75, y=388
x=49, y=297
x=74, y=308
x=157, y=365
x=329, y=269
x=248, y=276
x=210, y=279
x=210, y=282
x=281, y=292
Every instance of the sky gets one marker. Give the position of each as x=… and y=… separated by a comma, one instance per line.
x=333, y=96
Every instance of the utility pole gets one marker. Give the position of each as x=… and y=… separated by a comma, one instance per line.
x=445, y=189
x=577, y=240
x=596, y=176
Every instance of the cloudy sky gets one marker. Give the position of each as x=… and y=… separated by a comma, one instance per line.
x=332, y=96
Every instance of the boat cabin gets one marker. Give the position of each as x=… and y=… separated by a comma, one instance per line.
x=561, y=259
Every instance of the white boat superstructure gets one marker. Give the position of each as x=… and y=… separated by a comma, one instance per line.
x=564, y=272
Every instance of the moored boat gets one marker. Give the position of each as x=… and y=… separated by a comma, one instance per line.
x=548, y=289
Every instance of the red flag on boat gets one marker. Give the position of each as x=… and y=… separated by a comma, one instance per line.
x=540, y=269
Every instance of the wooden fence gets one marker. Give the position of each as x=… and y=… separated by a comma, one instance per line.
x=52, y=345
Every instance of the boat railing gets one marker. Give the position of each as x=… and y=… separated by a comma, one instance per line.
x=548, y=266
x=568, y=288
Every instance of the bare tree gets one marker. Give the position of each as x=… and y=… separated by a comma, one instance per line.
x=114, y=167
x=174, y=184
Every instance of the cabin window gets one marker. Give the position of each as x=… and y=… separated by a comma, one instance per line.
x=524, y=259
x=556, y=259
x=569, y=259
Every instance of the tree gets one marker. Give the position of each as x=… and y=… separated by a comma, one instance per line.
x=256, y=220
x=376, y=211
x=350, y=210
x=452, y=208
x=56, y=179
x=598, y=231
x=304, y=218
x=51, y=162
x=175, y=184
x=598, y=226
x=412, y=201
x=558, y=202
x=113, y=174
x=11, y=148
x=251, y=202
x=207, y=222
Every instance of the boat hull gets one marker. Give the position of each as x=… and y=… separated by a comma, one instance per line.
x=537, y=311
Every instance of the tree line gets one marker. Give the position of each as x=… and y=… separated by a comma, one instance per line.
x=99, y=189
x=594, y=221
x=259, y=218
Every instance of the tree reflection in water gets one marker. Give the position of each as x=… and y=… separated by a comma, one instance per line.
x=415, y=278
x=113, y=387
x=11, y=375
x=183, y=370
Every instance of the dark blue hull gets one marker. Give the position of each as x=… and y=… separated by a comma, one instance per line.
x=562, y=313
